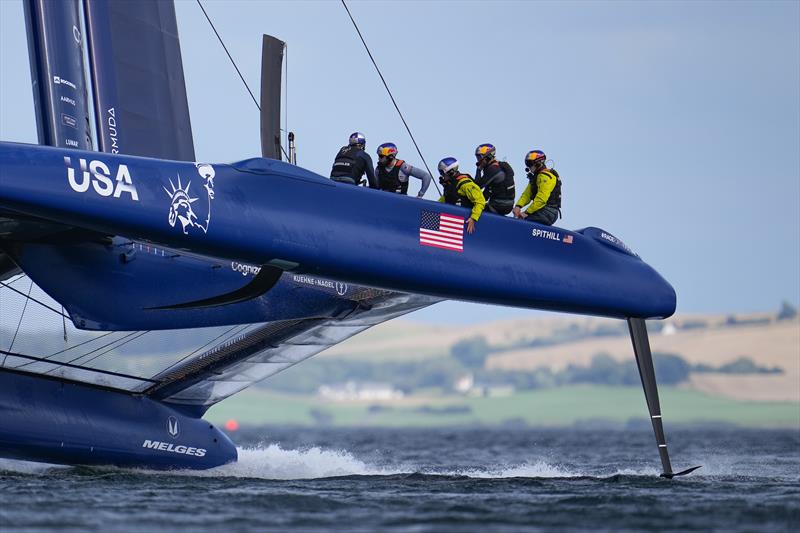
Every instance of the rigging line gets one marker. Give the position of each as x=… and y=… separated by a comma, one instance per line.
x=99, y=371
x=229, y=54
x=390, y=96
x=17, y=278
x=56, y=311
x=21, y=316
x=47, y=357
x=286, y=96
x=116, y=347
x=185, y=357
x=106, y=334
x=71, y=361
x=239, y=72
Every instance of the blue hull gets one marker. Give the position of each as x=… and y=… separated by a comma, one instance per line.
x=50, y=421
x=262, y=211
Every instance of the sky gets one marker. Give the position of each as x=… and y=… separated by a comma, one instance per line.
x=674, y=125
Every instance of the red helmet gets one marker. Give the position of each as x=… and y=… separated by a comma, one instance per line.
x=387, y=150
x=485, y=151
x=535, y=158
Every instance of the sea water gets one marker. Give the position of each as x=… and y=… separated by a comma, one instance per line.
x=469, y=479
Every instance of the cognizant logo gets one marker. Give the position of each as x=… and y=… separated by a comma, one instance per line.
x=169, y=447
x=244, y=270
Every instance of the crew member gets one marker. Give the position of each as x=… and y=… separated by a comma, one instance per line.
x=543, y=191
x=393, y=173
x=352, y=162
x=496, y=178
x=458, y=186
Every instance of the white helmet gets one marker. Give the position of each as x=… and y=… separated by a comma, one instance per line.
x=448, y=165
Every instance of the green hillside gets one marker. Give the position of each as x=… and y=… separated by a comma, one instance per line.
x=561, y=406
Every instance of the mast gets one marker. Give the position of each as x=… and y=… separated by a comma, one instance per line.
x=55, y=44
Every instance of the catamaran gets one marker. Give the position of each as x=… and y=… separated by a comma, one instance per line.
x=131, y=237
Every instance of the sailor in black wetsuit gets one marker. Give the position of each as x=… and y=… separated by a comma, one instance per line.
x=496, y=178
x=352, y=162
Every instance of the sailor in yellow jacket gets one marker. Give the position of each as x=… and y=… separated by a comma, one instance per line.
x=543, y=192
x=459, y=189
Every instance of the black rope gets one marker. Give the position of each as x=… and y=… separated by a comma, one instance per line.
x=21, y=316
x=81, y=356
x=47, y=357
x=16, y=279
x=68, y=365
x=115, y=347
x=392, y=97
x=223, y=334
x=229, y=55
x=106, y=334
x=239, y=72
x=56, y=311
x=64, y=323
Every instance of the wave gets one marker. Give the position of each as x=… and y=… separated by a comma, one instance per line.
x=271, y=462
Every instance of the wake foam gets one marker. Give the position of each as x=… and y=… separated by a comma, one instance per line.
x=26, y=467
x=273, y=462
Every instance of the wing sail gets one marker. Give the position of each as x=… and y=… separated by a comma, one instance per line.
x=137, y=76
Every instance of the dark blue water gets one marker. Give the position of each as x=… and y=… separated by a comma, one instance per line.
x=291, y=479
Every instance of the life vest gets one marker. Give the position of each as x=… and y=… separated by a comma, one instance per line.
x=450, y=194
x=390, y=179
x=461, y=180
x=503, y=190
x=452, y=190
x=555, y=195
x=348, y=164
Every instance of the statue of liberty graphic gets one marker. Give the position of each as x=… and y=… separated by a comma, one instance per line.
x=182, y=206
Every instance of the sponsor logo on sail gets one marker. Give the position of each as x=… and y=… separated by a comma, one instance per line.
x=97, y=175
x=69, y=120
x=58, y=80
x=111, y=120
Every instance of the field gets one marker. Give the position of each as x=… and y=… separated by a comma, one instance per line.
x=771, y=344
x=564, y=406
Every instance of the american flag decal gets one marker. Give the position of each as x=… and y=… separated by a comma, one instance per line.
x=441, y=231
